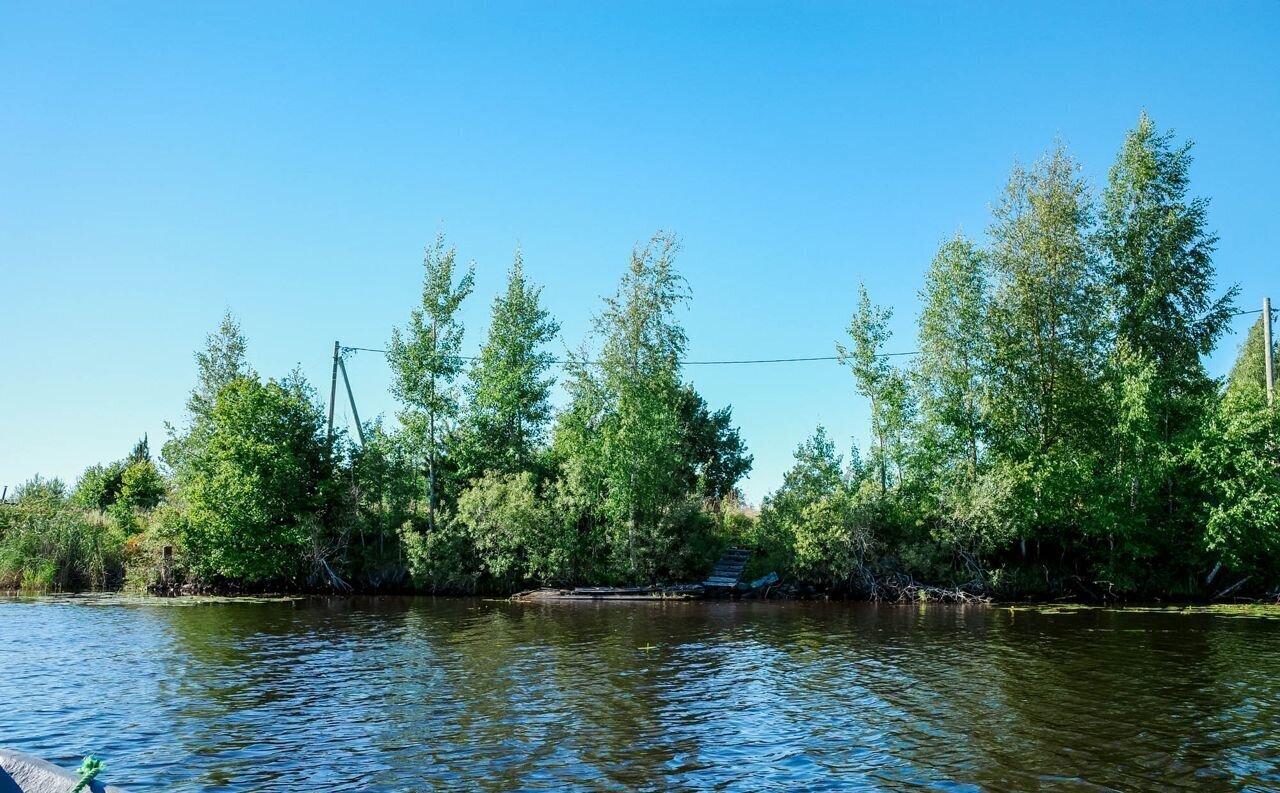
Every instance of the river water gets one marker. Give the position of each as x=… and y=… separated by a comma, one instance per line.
x=388, y=694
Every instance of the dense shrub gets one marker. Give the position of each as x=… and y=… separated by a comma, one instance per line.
x=48, y=543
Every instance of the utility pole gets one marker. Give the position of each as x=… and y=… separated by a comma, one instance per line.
x=351, y=398
x=1267, y=348
x=333, y=384
x=338, y=363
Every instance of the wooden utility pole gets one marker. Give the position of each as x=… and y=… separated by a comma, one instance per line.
x=338, y=363
x=1267, y=348
x=333, y=384
x=351, y=398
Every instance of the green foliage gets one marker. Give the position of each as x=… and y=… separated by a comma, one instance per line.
x=1046, y=323
x=515, y=536
x=816, y=475
x=134, y=483
x=220, y=362
x=257, y=475
x=951, y=364
x=143, y=553
x=384, y=485
x=1161, y=282
x=821, y=525
x=426, y=361
x=38, y=489
x=639, y=434
x=1239, y=459
x=639, y=458
x=1249, y=370
x=1161, y=253
x=46, y=542
x=141, y=485
x=1057, y=431
x=440, y=558
x=1065, y=421
x=99, y=486
x=715, y=456
x=887, y=388
x=509, y=390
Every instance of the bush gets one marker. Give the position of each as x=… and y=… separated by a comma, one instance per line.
x=143, y=552
x=253, y=470
x=48, y=543
x=514, y=535
x=440, y=559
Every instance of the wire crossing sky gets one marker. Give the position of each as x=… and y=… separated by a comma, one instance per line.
x=163, y=162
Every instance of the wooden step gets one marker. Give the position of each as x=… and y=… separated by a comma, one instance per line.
x=729, y=568
x=720, y=581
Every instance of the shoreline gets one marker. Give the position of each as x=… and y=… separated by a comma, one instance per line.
x=288, y=596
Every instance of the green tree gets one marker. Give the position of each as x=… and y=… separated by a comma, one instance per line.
x=1162, y=272
x=426, y=361
x=1046, y=318
x=1048, y=331
x=815, y=474
x=619, y=445
x=883, y=384
x=1161, y=278
x=514, y=535
x=952, y=356
x=221, y=361
x=715, y=456
x=259, y=484
x=99, y=486
x=37, y=489
x=141, y=452
x=443, y=559
x=1239, y=458
x=509, y=390
x=135, y=481
x=639, y=369
x=970, y=503
x=1250, y=368
x=814, y=526
x=141, y=485
x=578, y=458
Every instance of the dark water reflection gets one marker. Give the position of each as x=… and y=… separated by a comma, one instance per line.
x=422, y=694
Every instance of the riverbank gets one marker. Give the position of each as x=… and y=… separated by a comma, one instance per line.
x=663, y=595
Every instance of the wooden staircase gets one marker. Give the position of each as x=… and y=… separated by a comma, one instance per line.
x=728, y=570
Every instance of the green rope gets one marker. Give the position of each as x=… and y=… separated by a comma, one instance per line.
x=89, y=768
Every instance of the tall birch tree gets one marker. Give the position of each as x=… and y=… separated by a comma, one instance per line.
x=425, y=358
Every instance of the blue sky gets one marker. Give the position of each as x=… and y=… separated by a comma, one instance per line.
x=161, y=163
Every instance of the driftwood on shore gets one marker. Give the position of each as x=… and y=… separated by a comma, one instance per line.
x=902, y=588
x=611, y=593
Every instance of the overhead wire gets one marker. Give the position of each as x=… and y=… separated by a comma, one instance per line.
x=732, y=362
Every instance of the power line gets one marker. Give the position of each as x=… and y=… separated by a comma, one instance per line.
x=735, y=362
x=562, y=361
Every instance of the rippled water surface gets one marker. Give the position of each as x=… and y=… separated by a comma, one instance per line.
x=443, y=694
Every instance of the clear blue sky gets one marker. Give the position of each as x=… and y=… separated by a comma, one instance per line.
x=160, y=163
